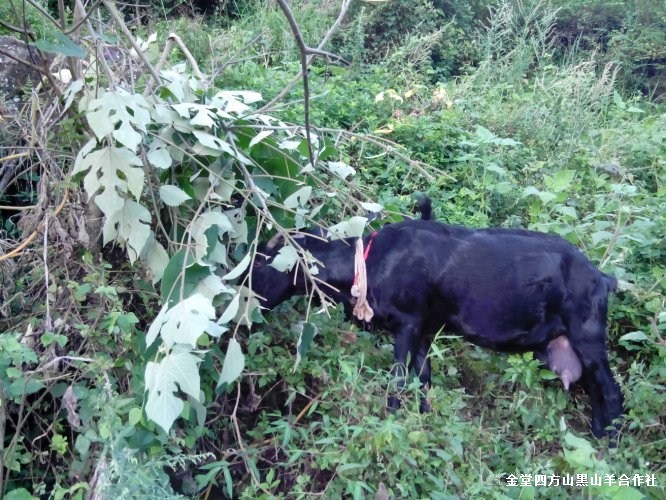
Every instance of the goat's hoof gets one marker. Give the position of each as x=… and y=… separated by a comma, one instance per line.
x=393, y=403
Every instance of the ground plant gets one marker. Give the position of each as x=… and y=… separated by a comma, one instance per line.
x=166, y=141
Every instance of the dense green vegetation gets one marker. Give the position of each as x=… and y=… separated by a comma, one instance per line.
x=534, y=114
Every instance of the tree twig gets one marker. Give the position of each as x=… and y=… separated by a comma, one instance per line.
x=302, y=48
x=85, y=18
x=17, y=29
x=115, y=15
x=343, y=12
x=172, y=40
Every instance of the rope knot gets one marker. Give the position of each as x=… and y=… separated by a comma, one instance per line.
x=359, y=289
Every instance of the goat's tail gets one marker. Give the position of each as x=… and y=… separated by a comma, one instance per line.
x=424, y=205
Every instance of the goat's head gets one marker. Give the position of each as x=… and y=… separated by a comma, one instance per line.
x=270, y=284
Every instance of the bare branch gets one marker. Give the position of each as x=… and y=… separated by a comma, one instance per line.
x=43, y=11
x=304, y=70
x=85, y=18
x=123, y=27
x=343, y=12
x=17, y=29
x=172, y=40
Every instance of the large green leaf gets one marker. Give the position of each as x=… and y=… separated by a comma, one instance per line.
x=129, y=226
x=285, y=259
x=351, y=228
x=178, y=369
x=112, y=170
x=120, y=114
x=179, y=275
x=173, y=195
x=234, y=363
x=64, y=45
x=200, y=235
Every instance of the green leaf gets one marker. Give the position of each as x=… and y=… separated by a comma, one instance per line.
x=105, y=164
x=178, y=369
x=285, y=259
x=260, y=137
x=231, y=310
x=156, y=258
x=484, y=134
x=561, y=180
x=617, y=99
x=578, y=452
x=82, y=445
x=340, y=169
x=64, y=46
x=130, y=227
x=345, y=467
x=529, y=191
x=617, y=492
x=183, y=323
x=599, y=236
x=503, y=187
x=567, y=210
x=135, y=416
x=121, y=114
x=21, y=387
x=20, y=494
x=372, y=207
x=176, y=272
x=494, y=167
x=205, y=117
x=234, y=363
x=546, y=197
x=173, y=195
x=636, y=336
x=211, y=286
x=160, y=158
x=199, y=229
x=162, y=406
x=214, y=146
x=506, y=141
x=307, y=332
x=299, y=198
x=352, y=228
x=239, y=269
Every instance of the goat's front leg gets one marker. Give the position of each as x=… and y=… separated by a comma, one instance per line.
x=420, y=363
x=405, y=343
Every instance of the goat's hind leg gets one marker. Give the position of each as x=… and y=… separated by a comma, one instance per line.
x=597, y=379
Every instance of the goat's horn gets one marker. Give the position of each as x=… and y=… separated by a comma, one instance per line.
x=272, y=243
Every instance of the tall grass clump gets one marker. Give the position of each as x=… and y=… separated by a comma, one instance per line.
x=523, y=94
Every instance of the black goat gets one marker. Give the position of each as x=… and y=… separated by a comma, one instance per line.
x=504, y=289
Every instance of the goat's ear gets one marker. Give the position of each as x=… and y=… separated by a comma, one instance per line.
x=275, y=241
